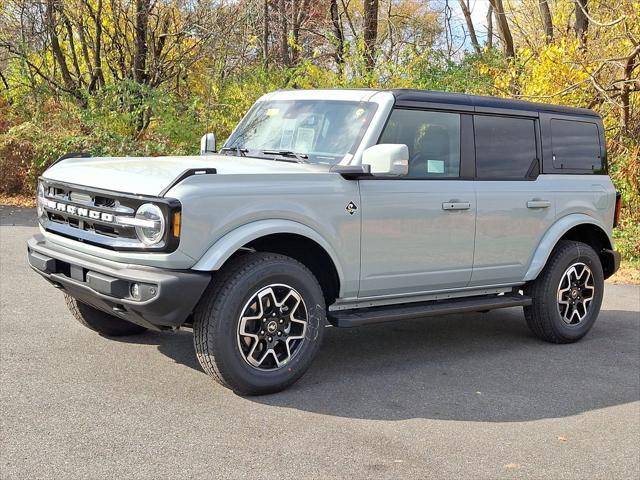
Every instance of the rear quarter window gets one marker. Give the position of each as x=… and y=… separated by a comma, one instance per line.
x=575, y=145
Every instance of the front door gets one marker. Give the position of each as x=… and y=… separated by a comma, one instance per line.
x=418, y=231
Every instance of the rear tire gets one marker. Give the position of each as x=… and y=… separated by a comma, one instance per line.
x=100, y=321
x=259, y=324
x=567, y=294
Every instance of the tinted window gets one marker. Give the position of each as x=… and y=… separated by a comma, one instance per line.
x=575, y=145
x=433, y=139
x=505, y=146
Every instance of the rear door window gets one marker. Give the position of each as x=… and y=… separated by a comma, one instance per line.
x=505, y=147
x=576, y=145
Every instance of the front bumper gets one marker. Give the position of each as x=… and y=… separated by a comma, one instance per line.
x=166, y=299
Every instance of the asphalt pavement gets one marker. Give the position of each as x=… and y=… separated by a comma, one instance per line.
x=461, y=396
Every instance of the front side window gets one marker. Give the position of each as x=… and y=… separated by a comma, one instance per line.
x=323, y=131
x=433, y=139
x=505, y=147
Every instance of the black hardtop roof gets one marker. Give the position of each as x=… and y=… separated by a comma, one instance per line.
x=414, y=96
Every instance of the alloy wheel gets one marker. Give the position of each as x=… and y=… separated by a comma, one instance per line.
x=575, y=293
x=272, y=327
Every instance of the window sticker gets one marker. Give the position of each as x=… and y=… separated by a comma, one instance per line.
x=435, y=166
x=271, y=112
x=288, y=131
x=304, y=139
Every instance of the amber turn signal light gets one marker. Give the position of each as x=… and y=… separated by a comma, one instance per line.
x=177, y=219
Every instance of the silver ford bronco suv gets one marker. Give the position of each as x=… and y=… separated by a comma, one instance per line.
x=340, y=207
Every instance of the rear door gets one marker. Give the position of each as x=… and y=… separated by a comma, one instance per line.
x=516, y=205
x=418, y=231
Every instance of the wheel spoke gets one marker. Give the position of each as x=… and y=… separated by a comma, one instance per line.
x=250, y=356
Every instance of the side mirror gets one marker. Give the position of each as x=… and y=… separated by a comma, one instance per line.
x=387, y=159
x=208, y=144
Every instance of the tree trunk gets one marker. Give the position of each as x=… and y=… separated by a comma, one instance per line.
x=490, y=26
x=72, y=49
x=632, y=62
x=582, y=21
x=141, y=47
x=472, y=31
x=83, y=45
x=265, y=32
x=503, y=28
x=97, y=50
x=284, y=34
x=547, y=20
x=300, y=15
x=55, y=46
x=337, y=32
x=370, y=32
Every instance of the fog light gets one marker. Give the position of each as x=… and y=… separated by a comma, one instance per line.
x=135, y=291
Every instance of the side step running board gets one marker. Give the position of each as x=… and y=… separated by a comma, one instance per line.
x=355, y=318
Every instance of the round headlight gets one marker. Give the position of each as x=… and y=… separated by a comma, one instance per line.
x=152, y=231
x=40, y=200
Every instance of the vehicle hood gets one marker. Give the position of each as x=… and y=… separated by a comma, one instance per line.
x=151, y=175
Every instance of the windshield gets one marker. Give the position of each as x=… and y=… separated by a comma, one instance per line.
x=318, y=131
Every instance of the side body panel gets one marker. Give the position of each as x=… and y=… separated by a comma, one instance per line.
x=410, y=244
x=223, y=212
x=509, y=235
x=579, y=199
x=507, y=230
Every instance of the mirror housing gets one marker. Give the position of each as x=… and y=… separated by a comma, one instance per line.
x=208, y=144
x=387, y=159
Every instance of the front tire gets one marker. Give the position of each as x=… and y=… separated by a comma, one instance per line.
x=567, y=294
x=259, y=324
x=100, y=321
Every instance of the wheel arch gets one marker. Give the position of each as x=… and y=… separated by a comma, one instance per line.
x=577, y=227
x=286, y=237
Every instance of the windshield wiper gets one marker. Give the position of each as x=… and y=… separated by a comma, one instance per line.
x=241, y=152
x=300, y=157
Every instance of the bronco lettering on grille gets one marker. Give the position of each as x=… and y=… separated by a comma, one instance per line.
x=80, y=212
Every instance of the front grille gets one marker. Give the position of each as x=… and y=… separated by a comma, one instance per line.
x=82, y=198
x=89, y=215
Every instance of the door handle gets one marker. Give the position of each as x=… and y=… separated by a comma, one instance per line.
x=538, y=204
x=456, y=205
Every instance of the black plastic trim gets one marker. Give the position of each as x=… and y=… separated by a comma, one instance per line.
x=368, y=316
x=467, y=148
x=352, y=172
x=612, y=264
x=105, y=285
x=186, y=174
